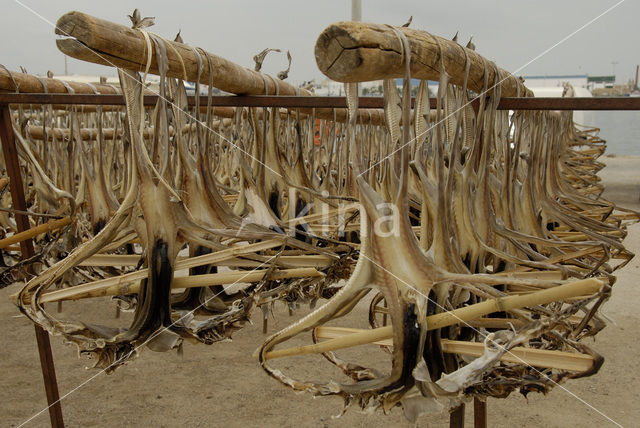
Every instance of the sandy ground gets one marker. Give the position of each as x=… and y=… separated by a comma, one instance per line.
x=222, y=385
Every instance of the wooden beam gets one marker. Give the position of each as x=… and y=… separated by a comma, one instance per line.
x=360, y=52
x=28, y=83
x=102, y=42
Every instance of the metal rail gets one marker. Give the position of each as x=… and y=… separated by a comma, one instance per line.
x=595, y=103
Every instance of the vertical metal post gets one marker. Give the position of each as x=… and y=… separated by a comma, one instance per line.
x=356, y=15
x=17, y=196
x=356, y=10
x=479, y=413
x=456, y=417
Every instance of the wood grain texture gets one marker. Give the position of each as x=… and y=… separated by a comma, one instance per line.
x=358, y=52
x=102, y=42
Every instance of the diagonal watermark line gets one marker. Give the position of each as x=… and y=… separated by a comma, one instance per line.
x=132, y=352
x=483, y=93
x=203, y=124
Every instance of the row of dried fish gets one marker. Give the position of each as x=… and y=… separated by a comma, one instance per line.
x=492, y=222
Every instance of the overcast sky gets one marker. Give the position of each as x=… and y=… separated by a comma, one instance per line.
x=511, y=33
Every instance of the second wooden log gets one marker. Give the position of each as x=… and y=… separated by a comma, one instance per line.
x=360, y=52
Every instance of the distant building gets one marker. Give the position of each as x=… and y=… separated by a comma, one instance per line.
x=329, y=88
x=598, y=82
x=89, y=79
x=152, y=80
x=576, y=80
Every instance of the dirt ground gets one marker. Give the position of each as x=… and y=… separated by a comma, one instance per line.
x=222, y=385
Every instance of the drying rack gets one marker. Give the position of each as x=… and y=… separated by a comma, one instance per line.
x=17, y=193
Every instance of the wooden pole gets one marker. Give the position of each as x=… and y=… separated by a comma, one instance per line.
x=360, y=52
x=102, y=42
x=28, y=83
x=125, y=47
x=17, y=196
x=519, y=354
x=117, y=286
x=444, y=319
x=34, y=231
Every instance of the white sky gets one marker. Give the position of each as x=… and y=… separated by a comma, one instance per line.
x=509, y=32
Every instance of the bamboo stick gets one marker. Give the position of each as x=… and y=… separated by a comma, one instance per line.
x=562, y=258
x=317, y=261
x=230, y=199
x=35, y=231
x=111, y=260
x=241, y=276
x=329, y=332
x=547, y=275
x=125, y=280
x=437, y=321
x=361, y=52
x=80, y=292
x=326, y=215
x=519, y=354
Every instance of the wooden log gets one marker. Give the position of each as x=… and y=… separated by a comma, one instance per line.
x=360, y=52
x=34, y=231
x=121, y=46
x=63, y=134
x=461, y=315
x=28, y=83
x=125, y=47
x=91, y=108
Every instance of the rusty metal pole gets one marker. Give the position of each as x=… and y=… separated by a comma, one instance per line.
x=456, y=417
x=479, y=413
x=22, y=222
